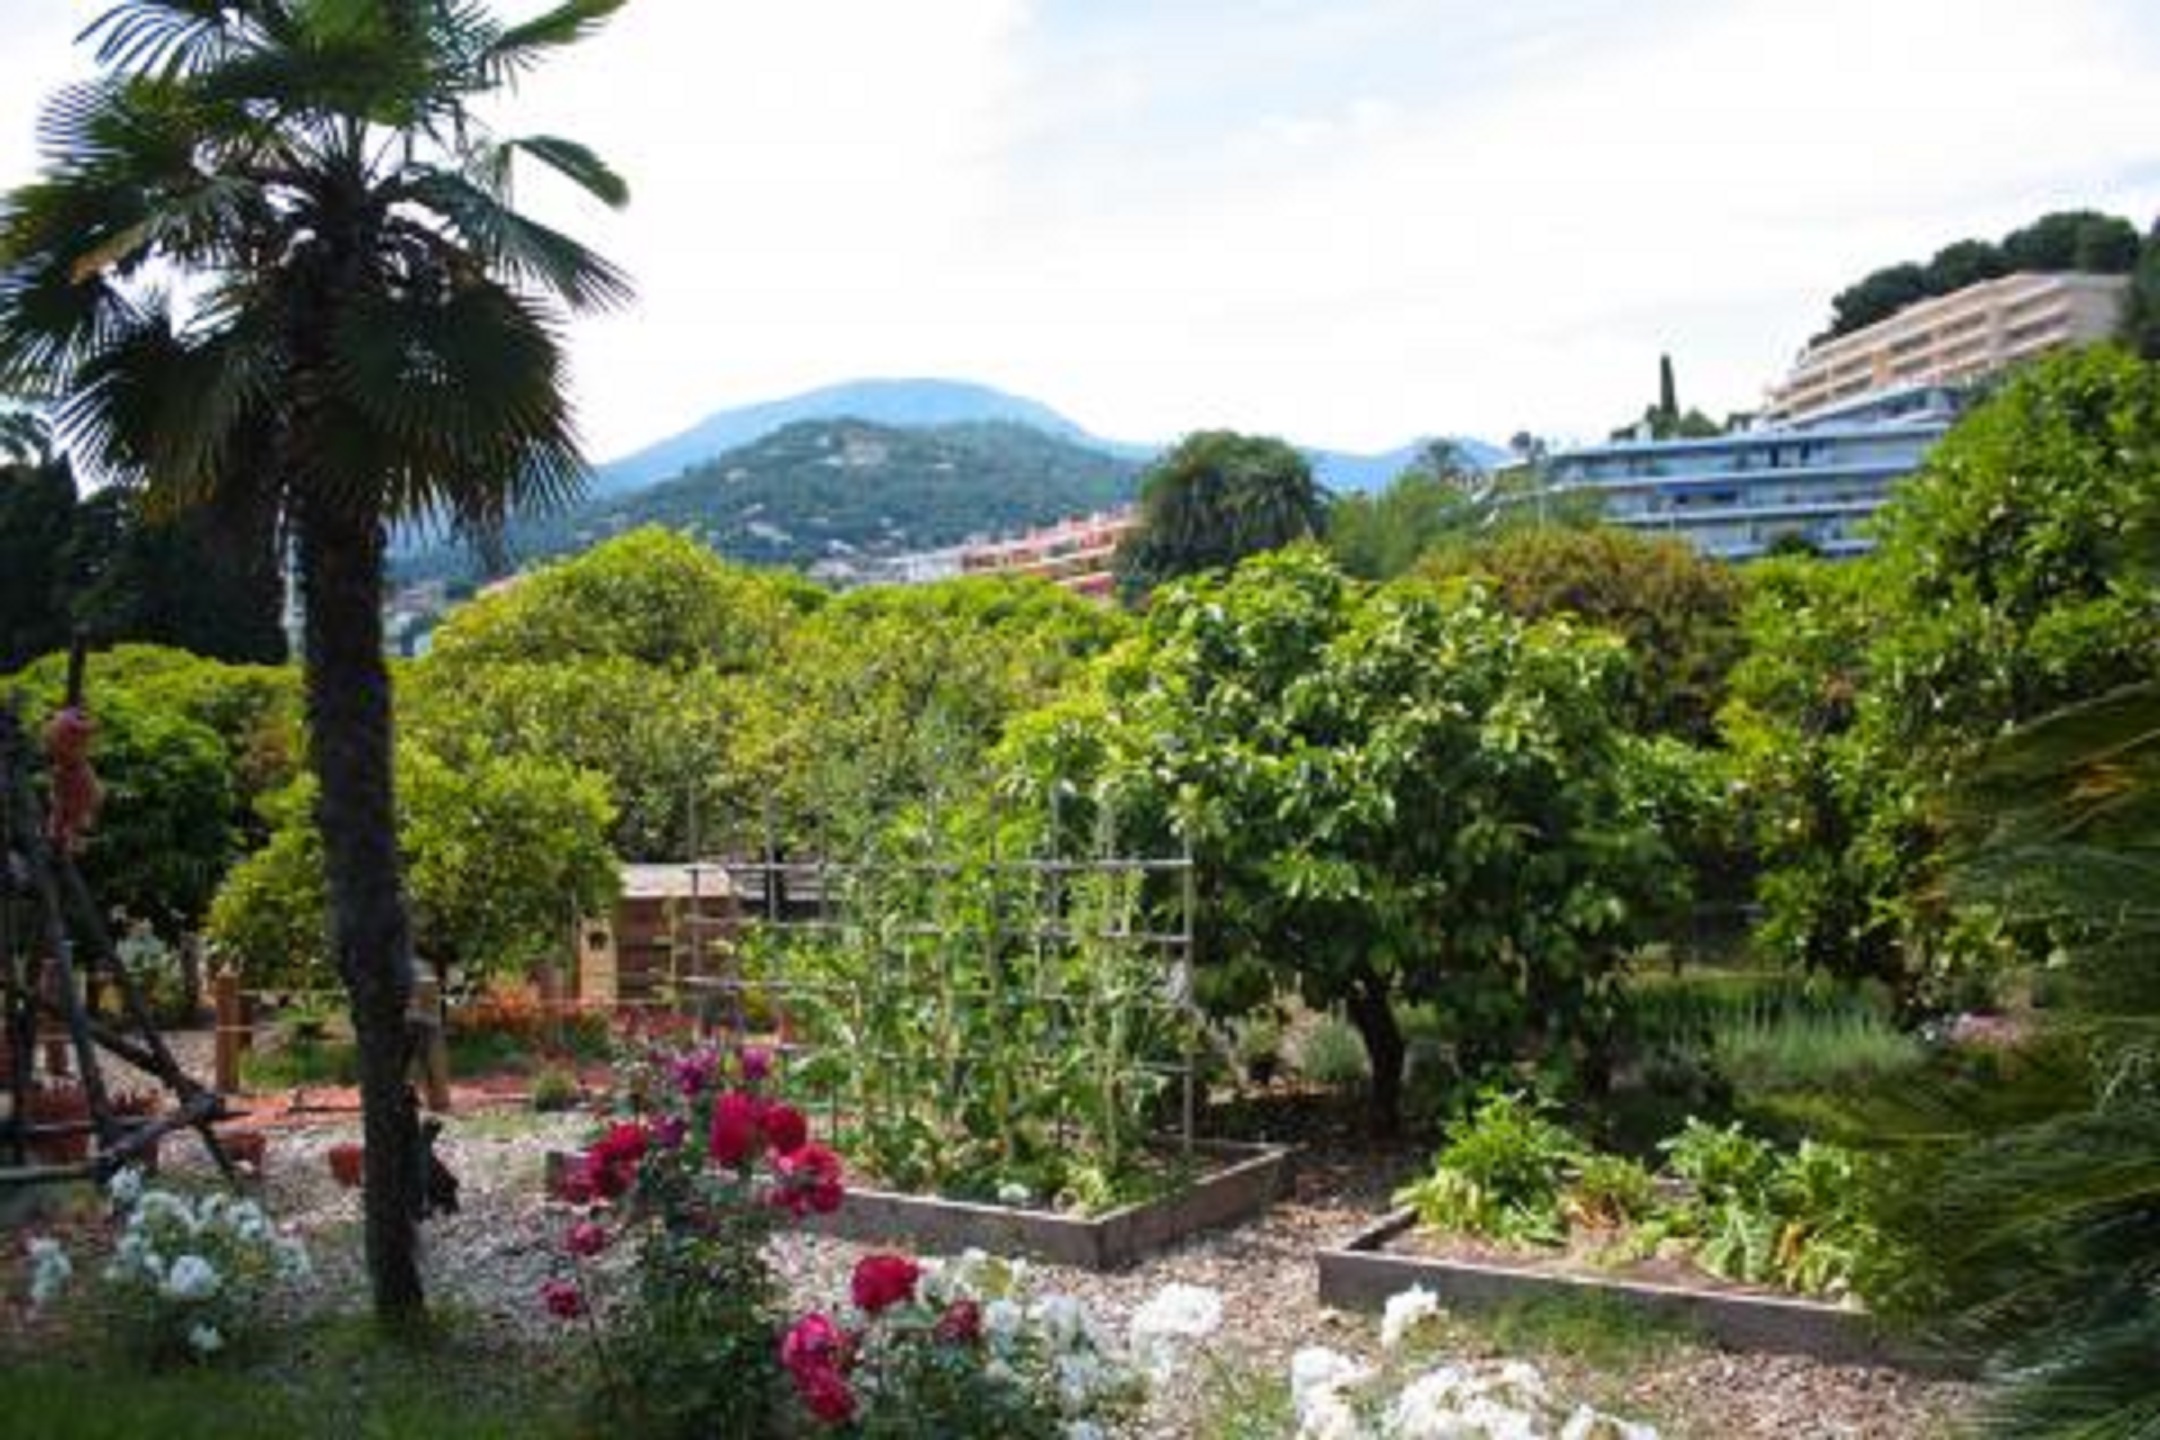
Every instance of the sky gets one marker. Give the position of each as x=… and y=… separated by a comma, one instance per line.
x=1350, y=222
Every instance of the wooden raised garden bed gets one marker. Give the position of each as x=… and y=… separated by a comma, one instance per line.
x=1373, y=1266
x=1244, y=1180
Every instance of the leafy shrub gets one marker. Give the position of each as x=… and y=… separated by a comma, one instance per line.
x=555, y=1089
x=157, y=972
x=492, y=907
x=1609, y=1191
x=1757, y=1215
x=1257, y=1040
x=1331, y=1053
x=1750, y=1212
x=1500, y=1175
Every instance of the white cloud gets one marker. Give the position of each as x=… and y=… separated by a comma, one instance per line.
x=1346, y=220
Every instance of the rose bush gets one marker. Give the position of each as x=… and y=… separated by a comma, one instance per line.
x=694, y=1180
x=697, y=1179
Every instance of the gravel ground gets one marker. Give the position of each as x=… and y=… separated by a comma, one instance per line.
x=490, y=1260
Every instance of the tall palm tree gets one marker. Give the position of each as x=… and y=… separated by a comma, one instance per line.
x=272, y=257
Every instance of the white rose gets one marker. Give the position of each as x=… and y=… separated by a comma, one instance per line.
x=191, y=1278
x=1404, y=1313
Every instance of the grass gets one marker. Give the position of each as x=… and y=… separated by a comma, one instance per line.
x=1768, y=1052
x=1591, y=1330
x=1771, y=1032
x=336, y=1379
x=1241, y=1401
x=298, y=1062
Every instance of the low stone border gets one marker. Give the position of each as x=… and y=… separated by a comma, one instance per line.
x=1249, y=1179
x=1363, y=1273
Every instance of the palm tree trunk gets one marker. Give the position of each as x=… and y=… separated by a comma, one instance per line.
x=348, y=700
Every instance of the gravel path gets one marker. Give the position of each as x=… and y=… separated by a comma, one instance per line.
x=491, y=1259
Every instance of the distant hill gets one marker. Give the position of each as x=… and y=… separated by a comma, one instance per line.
x=867, y=467
x=839, y=489
x=909, y=404
x=914, y=403
x=1345, y=472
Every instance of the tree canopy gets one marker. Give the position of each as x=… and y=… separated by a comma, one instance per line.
x=1214, y=499
x=2013, y=577
x=1395, y=793
x=2064, y=240
x=1678, y=611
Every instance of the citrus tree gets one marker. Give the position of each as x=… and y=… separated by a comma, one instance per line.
x=1392, y=794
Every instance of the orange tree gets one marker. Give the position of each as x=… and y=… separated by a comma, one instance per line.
x=1396, y=793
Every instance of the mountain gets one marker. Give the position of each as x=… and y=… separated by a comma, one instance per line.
x=898, y=403
x=839, y=490
x=915, y=403
x=1345, y=472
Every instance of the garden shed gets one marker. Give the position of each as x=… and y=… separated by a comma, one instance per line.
x=672, y=921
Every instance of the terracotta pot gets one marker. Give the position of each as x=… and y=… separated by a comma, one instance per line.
x=245, y=1147
x=56, y=1105
x=348, y=1163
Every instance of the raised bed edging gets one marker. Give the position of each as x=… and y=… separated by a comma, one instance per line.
x=1363, y=1274
x=1255, y=1176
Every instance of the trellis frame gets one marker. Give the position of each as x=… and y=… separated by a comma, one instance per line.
x=789, y=901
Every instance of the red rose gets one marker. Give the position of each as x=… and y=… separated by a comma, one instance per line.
x=734, y=1135
x=812, y=1343
x=827, y=1394
x=587, y=1239
x=785, y=1129
x=809, y=1181
x=882, y=1281
x=563, y=1300
x=961, y=1324
x=611, y=1166
x=576, y=1185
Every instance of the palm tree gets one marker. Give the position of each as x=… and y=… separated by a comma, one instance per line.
x=271, y=259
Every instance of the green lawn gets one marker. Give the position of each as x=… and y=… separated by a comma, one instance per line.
x=334, y=1380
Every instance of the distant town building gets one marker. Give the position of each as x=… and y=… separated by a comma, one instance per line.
x=1073, y=553
x=1952, y=339
x=1735, y=496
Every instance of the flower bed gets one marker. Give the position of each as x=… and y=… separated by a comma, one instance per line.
x=1242, y=1182
x=1376, y=1265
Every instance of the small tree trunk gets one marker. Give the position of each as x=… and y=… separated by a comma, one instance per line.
x=348, y=700
x=1372, y=1011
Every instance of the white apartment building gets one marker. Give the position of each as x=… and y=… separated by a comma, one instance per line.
x=1952, y=339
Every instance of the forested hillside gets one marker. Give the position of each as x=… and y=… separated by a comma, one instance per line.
x=836, y=488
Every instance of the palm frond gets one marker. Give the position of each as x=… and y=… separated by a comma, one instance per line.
x=169, y=37
x=577, y=164
x=523, y=247
x=469, y=389
x=517, y=48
